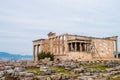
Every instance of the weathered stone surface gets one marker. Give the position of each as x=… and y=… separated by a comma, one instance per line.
x=41, y=78
x=78, y=70
x=2, y=78
x=48, y=78
x=84, y=72
x=113, y=69
x=28, y=78
x=8, y=67
x=85, y=78
x=87, y=73
x=61, y=65
x=22, y=74
x=1, y=74
x=2, y=68
x=9, y=72
x=56, y=77
x=73, y=65
x=50, y=63
x=16, y=74
x=49, y=71
x=29, y=74
x=19, y=69
x=43, y=68
x=65, y=76
x=46, y=60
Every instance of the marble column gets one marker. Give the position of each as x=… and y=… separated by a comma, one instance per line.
x=59, y=45
x=66, y=48
x=116, y=43
x=33, y=52
x=71, y=46
x=56, y=45
x=80, y=47
x=36, y=58
x=75, y=47
x=62, y=44
x=37, y=53
x=52, y=46
x=38, y=49
x=85, y=46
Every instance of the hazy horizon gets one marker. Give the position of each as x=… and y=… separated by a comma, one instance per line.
x=22, y=21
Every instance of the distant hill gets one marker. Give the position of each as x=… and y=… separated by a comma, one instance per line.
x=9, y=56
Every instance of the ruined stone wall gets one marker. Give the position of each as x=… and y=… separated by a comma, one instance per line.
x=45, y=47
x=57, y=45
x=103, y=48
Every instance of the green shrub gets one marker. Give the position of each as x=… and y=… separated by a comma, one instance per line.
x=43, y=55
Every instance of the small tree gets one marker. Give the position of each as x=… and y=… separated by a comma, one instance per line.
x=43, y=55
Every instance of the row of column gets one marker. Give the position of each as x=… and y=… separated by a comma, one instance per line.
x=77, y=46
x=36, y=50
x=57, y=45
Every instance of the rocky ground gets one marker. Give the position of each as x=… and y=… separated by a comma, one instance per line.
x=60, y=70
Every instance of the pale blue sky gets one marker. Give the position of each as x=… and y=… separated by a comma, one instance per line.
x=22, y=21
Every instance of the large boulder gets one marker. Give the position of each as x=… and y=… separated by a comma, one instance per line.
x=60, y=65
x=1, y=74
x=22, y=75
x=2, y=68
x=49, y=71
x=16, y=74
x=2, y=78
x=73, y=65
x=19, y=69
x=50, y=63
x=8, y=67
x=10, y=72
x=46, y=60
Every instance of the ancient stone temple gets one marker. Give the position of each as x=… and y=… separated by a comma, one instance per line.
x=75, y=47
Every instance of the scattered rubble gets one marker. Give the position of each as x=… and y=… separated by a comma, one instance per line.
x=67, y=70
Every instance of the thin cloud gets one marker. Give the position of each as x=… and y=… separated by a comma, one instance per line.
x=22, y=21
